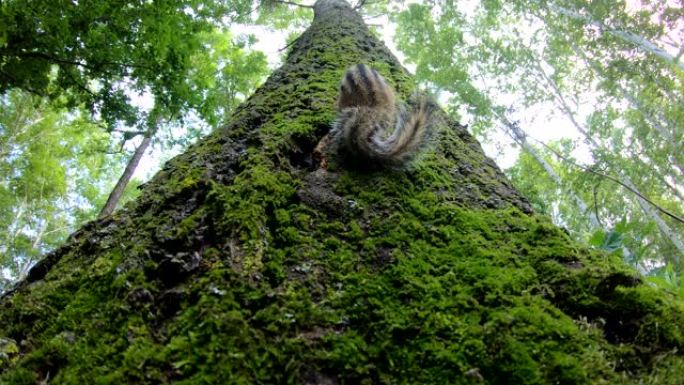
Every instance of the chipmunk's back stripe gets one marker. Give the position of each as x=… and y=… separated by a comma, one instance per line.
x=344, y=88
x=369, y=85
x=363, y=73
x=349, y=79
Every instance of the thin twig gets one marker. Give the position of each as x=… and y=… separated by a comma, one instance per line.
x=596, y=214
x=288, y=45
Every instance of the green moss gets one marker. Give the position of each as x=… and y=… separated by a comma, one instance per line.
x=9, y=352
x=449, y=294
x=240, y=211
x=221, y=273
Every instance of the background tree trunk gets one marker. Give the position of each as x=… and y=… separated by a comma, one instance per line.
x=243, y=263
x=118, y=190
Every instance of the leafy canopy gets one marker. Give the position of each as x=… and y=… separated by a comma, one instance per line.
x=99, y=53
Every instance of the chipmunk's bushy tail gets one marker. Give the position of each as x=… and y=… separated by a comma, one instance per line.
x=371, y=130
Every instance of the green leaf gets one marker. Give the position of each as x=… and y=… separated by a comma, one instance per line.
x=597, y=238
x=613, y=241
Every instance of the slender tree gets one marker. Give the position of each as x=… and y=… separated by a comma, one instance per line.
x=118, y=190
x=243, y=261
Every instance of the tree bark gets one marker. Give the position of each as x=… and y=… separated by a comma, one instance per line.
x=243, y=262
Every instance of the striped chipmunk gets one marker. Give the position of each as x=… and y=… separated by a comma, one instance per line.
x=373, y=129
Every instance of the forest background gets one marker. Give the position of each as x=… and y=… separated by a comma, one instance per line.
x=582, y=103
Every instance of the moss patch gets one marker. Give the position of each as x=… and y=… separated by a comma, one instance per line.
x=238, y=264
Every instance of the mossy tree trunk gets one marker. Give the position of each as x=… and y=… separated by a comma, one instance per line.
x=243, y=263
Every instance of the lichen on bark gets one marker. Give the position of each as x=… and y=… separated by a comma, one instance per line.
x=243, y=263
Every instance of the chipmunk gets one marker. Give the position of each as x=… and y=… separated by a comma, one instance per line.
x=372, y=129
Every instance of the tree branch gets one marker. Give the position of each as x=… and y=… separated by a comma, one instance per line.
x=15, y=83
x=288, y=45
x=292, y=3
x=136, y=133
x=48, y=57
x=626, y=36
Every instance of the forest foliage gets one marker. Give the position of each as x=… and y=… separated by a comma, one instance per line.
x=606, y=77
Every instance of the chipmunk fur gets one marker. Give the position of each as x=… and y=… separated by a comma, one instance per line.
x=372, y=128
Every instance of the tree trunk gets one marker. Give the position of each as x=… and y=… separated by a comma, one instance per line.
x=243, y=263
x=121, y=184
x=520, y=137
